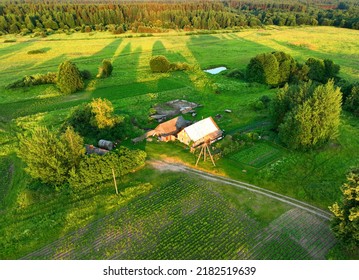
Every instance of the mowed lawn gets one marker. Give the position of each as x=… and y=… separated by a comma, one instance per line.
x=314, y=176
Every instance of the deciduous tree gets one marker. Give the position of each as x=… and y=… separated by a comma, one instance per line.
x=345, y=223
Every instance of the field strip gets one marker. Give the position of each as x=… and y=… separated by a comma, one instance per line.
x=286, y=199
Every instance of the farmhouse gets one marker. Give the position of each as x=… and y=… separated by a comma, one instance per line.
x=200, y=132
x=166, y=131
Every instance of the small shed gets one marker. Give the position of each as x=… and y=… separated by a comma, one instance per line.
x=200, y=132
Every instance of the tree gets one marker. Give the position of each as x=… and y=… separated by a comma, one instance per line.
x=275, y=68
x=69, y=79
x=48, y=157
x=96, y=169
x=102, y=114
x=322, y=70
x=345, y=223
x=264, y=68
x=159, y=64
x=105, y=70
x=310, y=117
x=352, y=102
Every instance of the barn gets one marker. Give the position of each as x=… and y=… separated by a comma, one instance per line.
x=200, y=132
x=167, y=131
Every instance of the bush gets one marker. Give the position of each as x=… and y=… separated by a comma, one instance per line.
x=85, y=74
x=235, y=73
x=37, y=51
x=96, y=169
x=69, y=79
x=160, y=64
x=10, y=41
x=179, y=66
x=33, y=80
x=105, y=70
x=96, y=119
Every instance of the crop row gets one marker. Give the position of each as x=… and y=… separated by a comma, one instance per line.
x=187, y=219
x=257, y=156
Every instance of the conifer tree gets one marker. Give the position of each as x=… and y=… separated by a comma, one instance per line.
x=69, y=79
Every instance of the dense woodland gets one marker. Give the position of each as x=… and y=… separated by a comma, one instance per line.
x=157, y=16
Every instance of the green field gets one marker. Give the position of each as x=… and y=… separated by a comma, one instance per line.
x=160, y=227
x=314, y=177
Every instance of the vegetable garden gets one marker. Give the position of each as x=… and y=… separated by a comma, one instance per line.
x=258, y=155
x=191, y=219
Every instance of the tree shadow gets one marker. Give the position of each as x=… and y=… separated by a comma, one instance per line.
x=14, y=48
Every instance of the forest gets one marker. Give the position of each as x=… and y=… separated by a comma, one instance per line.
x=43, y=18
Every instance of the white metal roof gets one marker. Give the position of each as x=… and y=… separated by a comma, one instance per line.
x=201, y=129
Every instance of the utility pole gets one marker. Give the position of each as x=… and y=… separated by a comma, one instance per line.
x=114, y=180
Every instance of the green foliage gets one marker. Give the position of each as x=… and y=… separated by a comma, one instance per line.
x=345, y=223
x=48, y=157
x=33, y=80
x=85, y=74
x=69, y=79
x=159, y=64
x=322, y=70
x=273, y=69
x=307, y=116
x=105, y=70
x=264, y=69
x=352, y=102
x=179, y=66
x=235, y=73
x=96, y=119
x=95, y=169
x=102, y=114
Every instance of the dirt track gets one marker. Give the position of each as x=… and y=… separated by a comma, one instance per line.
x=177, y=167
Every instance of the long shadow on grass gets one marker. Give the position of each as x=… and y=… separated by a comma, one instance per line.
x=14, y=48
x=212, y=51
x=173, y=56
x=339, y=58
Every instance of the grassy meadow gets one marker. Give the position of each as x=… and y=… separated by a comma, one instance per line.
x=33, y=216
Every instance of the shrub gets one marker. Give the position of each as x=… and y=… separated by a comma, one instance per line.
x=33, y=80
x=69, y=78
x=179, y=66
x=235, y=73
x=86, y=74
x=105, y=70
x=37, y=51
x=159, y=64
x=96, y=169
x=96, y=119
x=9, y=40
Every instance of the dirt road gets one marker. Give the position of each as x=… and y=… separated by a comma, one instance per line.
x=177, y=167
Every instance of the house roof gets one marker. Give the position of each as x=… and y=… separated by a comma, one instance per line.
x=201, y=129
x=171, y=126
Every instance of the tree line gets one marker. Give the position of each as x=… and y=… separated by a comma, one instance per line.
x=31, y=17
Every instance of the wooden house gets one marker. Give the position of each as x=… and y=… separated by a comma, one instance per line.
x=205, y=130
x=167, y=131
